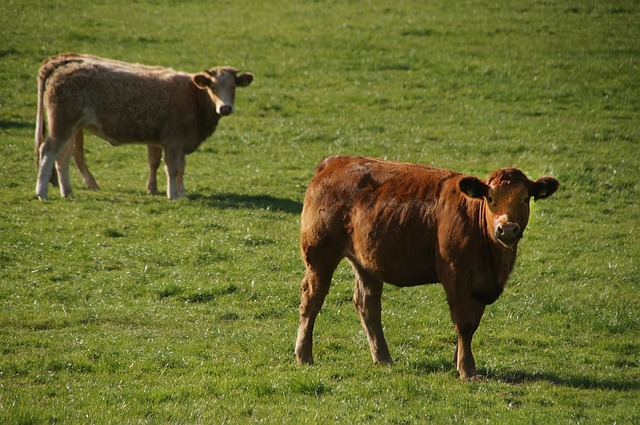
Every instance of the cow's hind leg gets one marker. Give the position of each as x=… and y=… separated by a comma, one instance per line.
x=78, y=157
x=62, y=167
x=321, y=263
x=45, y=169
x=367, y=299
x=51, y=149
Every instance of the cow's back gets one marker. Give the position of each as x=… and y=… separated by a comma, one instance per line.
x=106, y=83
x=122, y=102
x=384, y=214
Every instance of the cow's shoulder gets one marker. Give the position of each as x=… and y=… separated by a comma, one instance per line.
x=353, y=168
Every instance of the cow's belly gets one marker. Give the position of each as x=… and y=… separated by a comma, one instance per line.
x=120, y=126
x=117, y=137
x=407, y=274
x=97, y=131
x=400, y=267
x=414, y=280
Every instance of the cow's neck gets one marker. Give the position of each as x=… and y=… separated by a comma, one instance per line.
x=208, y=119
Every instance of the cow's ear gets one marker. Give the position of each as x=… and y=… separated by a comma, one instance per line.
x=472, y=187
x=544, y=187
x=244, y=80
x=201, y=81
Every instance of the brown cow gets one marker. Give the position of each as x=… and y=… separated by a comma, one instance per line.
x=409, y=224
x=127, y=103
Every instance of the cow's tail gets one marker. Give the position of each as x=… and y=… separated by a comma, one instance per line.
x=39, y=136
x=48, y=67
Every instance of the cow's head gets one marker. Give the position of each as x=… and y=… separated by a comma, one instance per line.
x=506, y=195
x=221, y=83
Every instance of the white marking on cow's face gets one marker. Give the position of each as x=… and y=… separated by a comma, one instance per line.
x=506, y=195
x=221, y=84
x=508, y=212
x=223, y=91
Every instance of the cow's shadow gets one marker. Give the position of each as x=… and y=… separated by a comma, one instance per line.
x=10, y=124
x=581, y=382
x=243, y=201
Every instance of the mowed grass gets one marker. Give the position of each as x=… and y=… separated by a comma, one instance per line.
x=117, y=307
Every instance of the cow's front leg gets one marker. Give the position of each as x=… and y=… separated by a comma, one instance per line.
x=367, y=299
x=154, y=157
x=172, y=159
x=466, y=320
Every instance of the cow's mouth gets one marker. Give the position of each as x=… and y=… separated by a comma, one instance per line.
x=508, y=242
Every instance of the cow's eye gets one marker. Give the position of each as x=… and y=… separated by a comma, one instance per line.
x=526, y=200
x=490, y=199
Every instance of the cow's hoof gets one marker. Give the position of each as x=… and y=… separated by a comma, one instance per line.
x=303, y=356
x=386, y=361
x=306, y=361
x=472, y=378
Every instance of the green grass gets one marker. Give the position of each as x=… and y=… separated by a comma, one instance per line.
x=116, y=307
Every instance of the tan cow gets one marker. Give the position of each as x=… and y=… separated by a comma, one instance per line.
x=125, y=103
x=409, y=224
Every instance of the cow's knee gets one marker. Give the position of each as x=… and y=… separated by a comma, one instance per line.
x=466, y=329
x=313, y=290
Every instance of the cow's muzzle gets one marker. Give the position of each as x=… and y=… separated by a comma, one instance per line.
x=226, y=110
x=508, y=233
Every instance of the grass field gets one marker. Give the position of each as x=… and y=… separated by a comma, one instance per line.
x=117, y=307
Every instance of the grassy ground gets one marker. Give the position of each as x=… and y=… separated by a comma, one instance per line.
x=119, y=307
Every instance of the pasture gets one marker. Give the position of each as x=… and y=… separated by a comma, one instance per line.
x=118, y=307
